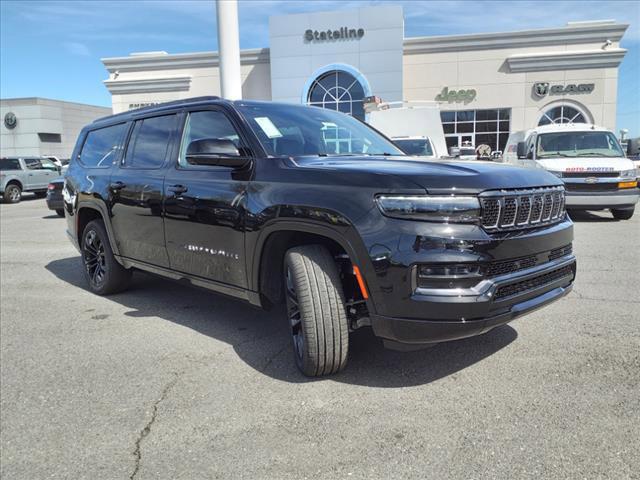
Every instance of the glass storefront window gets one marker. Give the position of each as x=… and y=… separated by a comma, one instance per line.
x=487, y=126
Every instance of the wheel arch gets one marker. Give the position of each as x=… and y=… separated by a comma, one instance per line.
x=268, y=258
x=87, y=212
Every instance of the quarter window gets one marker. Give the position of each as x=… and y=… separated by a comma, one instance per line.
x=207, y=124
x=149, y=142
x=101, y=146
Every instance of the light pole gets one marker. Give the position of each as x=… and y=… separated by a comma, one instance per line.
x=229, y=49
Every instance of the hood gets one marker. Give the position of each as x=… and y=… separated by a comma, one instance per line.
x=437, y=176
x=586, y=164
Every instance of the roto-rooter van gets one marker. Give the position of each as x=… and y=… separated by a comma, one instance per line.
x=590, y=161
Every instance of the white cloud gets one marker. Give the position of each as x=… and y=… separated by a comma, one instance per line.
x=77, y=48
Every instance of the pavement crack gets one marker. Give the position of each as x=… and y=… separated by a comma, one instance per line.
x=137, y=453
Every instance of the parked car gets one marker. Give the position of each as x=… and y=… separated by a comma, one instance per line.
x=25, y=174
x=415, y=146
x=54, y=196
x=410, y=120
x=588, y=158
x=245, y=198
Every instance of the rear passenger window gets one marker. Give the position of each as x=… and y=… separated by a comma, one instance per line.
x=101, y=146
x=149, y=142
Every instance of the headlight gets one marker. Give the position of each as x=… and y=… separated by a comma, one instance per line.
x=629, y=173
x=430, y=208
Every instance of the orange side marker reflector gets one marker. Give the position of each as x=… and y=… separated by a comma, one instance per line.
x=627, y=184
x=363, y=288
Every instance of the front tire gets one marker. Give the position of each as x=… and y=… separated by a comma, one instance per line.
x=623, y=213
x=103, y=273
x=12, y=193
x=60, y=212
x=316, y=312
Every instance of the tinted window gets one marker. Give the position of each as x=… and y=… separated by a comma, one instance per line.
x=207, y=124
x=101, y=147
x=9, y=164
x=149, y=142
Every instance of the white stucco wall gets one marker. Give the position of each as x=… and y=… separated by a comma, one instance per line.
x=40, y=115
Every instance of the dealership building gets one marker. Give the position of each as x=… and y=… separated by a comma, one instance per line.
x=487, y=84
x=36, y=126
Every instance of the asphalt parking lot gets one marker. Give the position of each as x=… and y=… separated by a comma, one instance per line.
x=165, y=381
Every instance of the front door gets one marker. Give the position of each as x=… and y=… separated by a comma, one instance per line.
x=137, y=187
x=205, y=206
x=41, y=172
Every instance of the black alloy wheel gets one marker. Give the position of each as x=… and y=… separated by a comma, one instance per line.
x=95, y=259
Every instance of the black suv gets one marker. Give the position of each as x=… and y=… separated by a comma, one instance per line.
x=269, y=202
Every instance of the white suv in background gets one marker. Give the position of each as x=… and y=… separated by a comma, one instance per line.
x=590, y=161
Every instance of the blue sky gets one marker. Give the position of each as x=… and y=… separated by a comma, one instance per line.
x=53, y=49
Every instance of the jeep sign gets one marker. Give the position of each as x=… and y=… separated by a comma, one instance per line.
x=457, y=96
x=541, y=89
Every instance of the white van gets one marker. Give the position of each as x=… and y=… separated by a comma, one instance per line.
x=414, y=125
x=590, y=161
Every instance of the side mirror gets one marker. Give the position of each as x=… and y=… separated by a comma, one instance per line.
x=633, y=147
x=522, y=150
x=215, y=152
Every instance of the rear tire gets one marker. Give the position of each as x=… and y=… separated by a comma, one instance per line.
x=103, y=273
x=316, y=312
x=60, y=212
x=12, y=193
x=623, y=213
x=40, y=194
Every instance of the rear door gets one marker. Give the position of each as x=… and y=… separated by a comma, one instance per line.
x=205, y=205
x=137, y=186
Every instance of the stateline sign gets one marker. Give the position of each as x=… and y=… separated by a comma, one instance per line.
x=344, y=33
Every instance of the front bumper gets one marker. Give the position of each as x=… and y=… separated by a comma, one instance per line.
x=484, y=311
x=602, y=200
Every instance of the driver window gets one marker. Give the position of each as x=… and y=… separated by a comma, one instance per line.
x=207, y=124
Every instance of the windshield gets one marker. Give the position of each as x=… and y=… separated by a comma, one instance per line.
x=578, y=144
x=295, y=130
x=419, y=146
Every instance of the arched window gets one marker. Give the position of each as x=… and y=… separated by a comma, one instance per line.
x=562, y=114
x=338, y=90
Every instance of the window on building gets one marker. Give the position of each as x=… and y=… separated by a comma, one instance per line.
x=477, y=127
x=338, y=90
x=562, y=114
x=50, y=137
x=149, y=142
x=101, y=146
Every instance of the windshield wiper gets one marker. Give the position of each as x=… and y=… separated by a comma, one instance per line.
x=556, y=154
x=594, y=154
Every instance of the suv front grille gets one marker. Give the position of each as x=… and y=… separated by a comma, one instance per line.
x=519, y=209
x=535, y=282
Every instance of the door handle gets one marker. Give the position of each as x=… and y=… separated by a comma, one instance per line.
x=115, y=186
x=177, y=189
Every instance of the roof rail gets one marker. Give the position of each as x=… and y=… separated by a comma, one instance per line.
x=184, y=101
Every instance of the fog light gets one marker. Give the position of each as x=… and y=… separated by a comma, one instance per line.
x=449, y=275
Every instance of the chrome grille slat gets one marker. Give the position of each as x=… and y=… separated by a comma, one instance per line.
x=521, y=209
